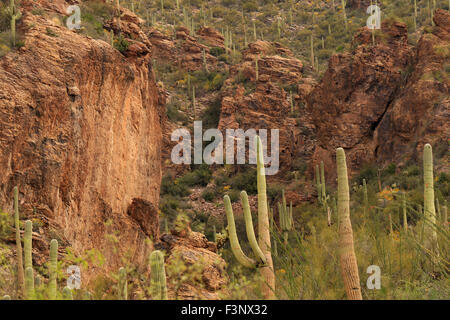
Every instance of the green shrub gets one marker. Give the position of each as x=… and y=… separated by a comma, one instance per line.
x=209, y=194
x=198, y=177
x=5, y=224
x=172, y=187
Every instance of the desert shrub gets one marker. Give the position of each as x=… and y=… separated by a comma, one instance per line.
x=173, y=187
x=199, y=177
x=209, y=194
x=5, y=224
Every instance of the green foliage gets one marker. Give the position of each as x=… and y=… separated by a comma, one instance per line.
x=5, y=224
x=121, y=44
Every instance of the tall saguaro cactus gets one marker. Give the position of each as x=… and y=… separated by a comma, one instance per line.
x=262, y=248
x=20, y=272
x=53, y=268
x=27, y=240
x=429, y=209
x=349, y=265
x=15, y=15
x=405, y=218
x=319, y=188
x=366, y=197
x=123, y=284
x=158, y=276
x=285, y=217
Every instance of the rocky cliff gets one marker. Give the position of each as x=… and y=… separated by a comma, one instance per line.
x=384, y=102
x=81, y=137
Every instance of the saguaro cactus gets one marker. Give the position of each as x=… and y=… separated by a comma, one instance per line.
x=444, y=214
x=29, y=283
x=349, y=266
x=344, y=3
x=323, y=192
x=15, y=15
x=158, y=276
x=256, y=69
x=429, y=209
x=285, y=217
x=405, y=218
x=27, y=240
x=52, y=269
x=123, y=284
x=262, y=248
x=20, y=272
x=366, y=197
x=319, y=188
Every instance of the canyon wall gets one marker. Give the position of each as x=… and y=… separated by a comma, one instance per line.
x=80, y=135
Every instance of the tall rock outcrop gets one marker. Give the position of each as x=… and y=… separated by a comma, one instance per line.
x=81, y=138
x=420, y=114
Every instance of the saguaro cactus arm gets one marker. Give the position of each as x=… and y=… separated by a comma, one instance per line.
x=249, y=228
x=234, y=241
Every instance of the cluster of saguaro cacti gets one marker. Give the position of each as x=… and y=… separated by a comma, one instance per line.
x=15, y=15
x=262, y=247
x=158, y=276
x=26, y=280
x=349, y=266
x=286, y=220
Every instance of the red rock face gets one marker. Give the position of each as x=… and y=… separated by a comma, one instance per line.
x=185, y=50
x=268, y=107
x=383, y=103
x=81, y=138
x=420, y=114
x=355, y=93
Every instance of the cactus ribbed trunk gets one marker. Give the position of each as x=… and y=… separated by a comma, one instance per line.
x=53, y=268
x=158, y=276
x=405, y=218
x=366, y=198
x=349, y=266
x=27, y=240
x=429, y=209
x=20, y=271
x=123, y=284
x=267, y=272
x=29, y=283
